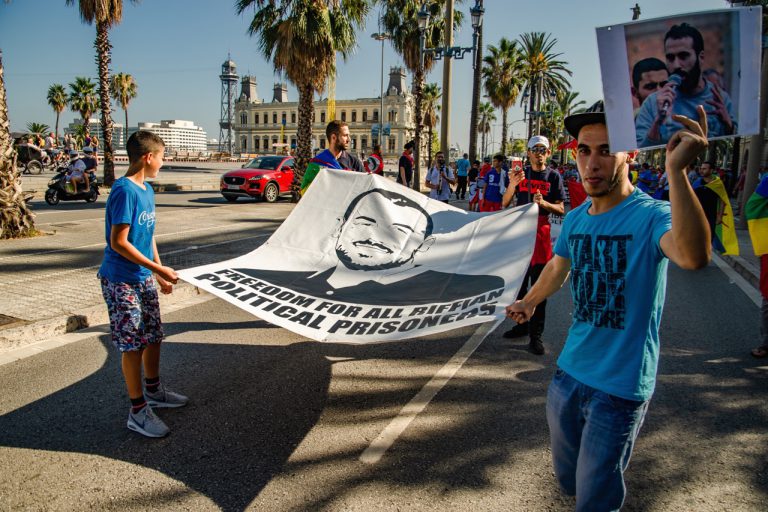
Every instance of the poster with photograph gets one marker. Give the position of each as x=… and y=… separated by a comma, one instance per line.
x=362, y=259
x=655, y=69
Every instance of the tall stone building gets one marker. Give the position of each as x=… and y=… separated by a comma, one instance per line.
x=266, y=127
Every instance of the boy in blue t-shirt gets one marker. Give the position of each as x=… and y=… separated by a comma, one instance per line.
x=130, y=259
x=616, y=247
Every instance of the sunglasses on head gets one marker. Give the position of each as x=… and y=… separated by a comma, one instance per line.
x=539, y=150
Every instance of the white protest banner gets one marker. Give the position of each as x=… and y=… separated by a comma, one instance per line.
x=654, y=69
x=362, y=259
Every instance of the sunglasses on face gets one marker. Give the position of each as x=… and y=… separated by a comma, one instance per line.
x=539, y=150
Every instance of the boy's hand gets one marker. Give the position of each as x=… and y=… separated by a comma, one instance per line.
x=688, y=143
x=168, y=274
x=165, y=287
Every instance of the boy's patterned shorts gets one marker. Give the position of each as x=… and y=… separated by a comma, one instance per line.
x=134, y=313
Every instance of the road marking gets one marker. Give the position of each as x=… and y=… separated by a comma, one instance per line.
x=418, y=403
x=749, y=290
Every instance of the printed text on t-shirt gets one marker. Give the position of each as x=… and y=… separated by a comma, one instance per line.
x=598, y=278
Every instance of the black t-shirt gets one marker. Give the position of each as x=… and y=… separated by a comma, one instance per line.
x=406, y=164
x=709, y=203
x=351, y=162
x=546, y=181
x=472, y=174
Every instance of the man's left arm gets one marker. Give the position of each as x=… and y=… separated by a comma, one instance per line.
x=688, y=243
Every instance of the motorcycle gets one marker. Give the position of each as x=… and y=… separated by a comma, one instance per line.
x=61, y=188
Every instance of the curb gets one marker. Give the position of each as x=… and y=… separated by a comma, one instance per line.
x=158, y=187
x=744, y=268
x=28, y=333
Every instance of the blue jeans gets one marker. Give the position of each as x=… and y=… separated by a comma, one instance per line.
x=592, y=434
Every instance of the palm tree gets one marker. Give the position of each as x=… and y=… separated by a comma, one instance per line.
x=16, y=219
x=123, y=89
x=486, y=116
x=543, y=74
x=431, y=107
x=502, y=79
x=82, y=99
x=105, y=13
x=301, y=38
x=400, y=19
x=566, y=104
x=39, y=129
x=57, y=99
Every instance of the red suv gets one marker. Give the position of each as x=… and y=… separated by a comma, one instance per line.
x=263, y=177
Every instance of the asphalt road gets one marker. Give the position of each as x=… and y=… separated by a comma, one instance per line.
x=277, y=422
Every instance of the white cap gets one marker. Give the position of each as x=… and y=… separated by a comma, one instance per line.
x=538, y=140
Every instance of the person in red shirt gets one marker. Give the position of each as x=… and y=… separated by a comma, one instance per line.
x=374, y=164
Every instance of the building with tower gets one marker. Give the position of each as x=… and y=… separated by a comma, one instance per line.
x=267, y=127
x=228, y=79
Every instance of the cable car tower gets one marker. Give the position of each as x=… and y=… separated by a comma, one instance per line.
x=228, y=78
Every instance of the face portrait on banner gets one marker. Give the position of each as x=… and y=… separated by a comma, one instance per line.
x=363, y=259
x=656, y=69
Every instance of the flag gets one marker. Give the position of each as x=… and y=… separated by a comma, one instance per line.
x=576, y=193
x=725, y=230
x=363, y=259
x=756, y=211
x=321, y=160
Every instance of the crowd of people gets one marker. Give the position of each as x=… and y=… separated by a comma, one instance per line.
x=606, y=372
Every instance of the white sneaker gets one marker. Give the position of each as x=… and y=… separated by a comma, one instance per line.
x=165, y=398
x=145, y=422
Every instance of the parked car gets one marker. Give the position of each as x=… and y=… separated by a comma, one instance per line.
x=265, y=177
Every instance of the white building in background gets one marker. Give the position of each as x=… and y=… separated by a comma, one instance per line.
x=266, y=127
x=177, y=134
x=94, y=127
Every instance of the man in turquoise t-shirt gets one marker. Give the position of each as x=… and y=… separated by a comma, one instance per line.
x=616, y=246
x=462, y=169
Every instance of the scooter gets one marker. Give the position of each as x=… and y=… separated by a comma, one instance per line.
x=60, y=188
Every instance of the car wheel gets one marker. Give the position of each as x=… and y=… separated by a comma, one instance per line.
x=52, y=197
x=34, y=167
x=271, y=192
x=231, y=199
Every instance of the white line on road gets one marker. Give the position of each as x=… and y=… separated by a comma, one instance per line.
x=739, y=281
x=418, y=403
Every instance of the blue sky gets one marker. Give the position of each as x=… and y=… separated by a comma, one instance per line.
x=175, y=48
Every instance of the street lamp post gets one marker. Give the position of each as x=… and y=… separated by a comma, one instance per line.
x=449, y=52
x=381, y=36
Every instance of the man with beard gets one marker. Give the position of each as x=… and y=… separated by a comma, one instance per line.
x=377, y=244
x=684, y=91
x=335, y=157
x=616, y=246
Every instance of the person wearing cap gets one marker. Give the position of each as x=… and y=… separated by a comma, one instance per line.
x=77, y=171
x=616, y=246
x=541, y=185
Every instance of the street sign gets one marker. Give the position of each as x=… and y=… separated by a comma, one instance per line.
x=387, y=129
